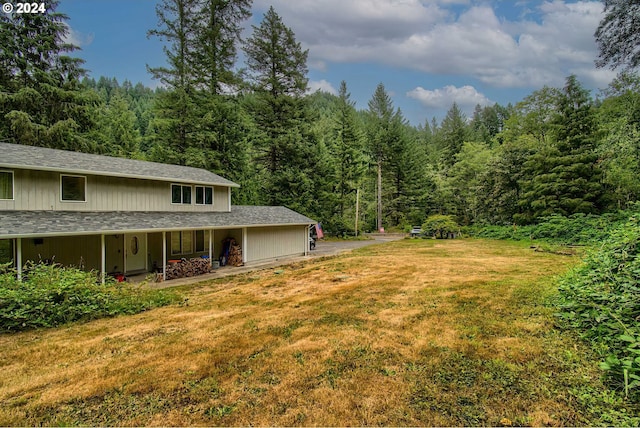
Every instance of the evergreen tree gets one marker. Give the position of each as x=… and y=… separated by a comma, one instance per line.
x=194, y=124
x=454, y=131
x=217, y=34
x=176, y=27
x=175, y=110
x=119, y=128
x=488, y=121
x=287, y=153
x=43, y=102
x=565, y=175
x=347, y=152
x=502, y=182
x=277, y=63
x=406, y=175
x=222, y=140
x=398, y=160
x=380, y=137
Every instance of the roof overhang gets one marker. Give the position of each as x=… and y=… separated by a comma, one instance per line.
x=116, y=174
x=42, y=224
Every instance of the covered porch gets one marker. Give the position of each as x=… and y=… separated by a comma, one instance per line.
x=115, y=243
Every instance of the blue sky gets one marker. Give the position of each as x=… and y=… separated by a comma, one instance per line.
x=427, y=53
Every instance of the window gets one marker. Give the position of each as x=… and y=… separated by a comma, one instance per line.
x=6, y=250
x=181, y=243
x=73, y=188
x=6, y=185
x=201, y=241
x=204, y=195
x=180, y=194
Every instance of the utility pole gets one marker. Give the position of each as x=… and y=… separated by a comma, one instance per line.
x=379, y=196
x=357, y=208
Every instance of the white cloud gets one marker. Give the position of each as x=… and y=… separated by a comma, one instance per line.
x=77, y=38
x=541, y=47
x=321, y=85
x=465, y=96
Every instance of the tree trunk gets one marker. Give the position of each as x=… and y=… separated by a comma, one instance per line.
x=379, y=196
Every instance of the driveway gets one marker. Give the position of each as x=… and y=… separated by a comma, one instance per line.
x=330, y=248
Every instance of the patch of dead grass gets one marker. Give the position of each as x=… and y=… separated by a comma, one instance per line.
x=406, y=333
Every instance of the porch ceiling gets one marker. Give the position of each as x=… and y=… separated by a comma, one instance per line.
x=30, y=224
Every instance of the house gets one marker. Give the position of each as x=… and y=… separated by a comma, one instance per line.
x=129, y=216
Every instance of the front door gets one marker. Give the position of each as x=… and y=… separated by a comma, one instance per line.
x=135, y=250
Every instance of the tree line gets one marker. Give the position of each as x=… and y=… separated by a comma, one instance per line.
x=557, y=151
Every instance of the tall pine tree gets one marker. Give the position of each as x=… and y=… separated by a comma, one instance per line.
x=565, y=176
x=286, y=152
x=380, y=137
x=175, y=110
x=347, y=150
x=217, y=35
x=196, y=124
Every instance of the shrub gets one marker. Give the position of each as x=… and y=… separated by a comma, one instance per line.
x=441, y=226
x=50, y=296
x=600, y=299
x=575, y=229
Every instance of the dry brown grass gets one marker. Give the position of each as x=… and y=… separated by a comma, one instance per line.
x=407, y=333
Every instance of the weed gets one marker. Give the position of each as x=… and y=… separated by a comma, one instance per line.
x=299, y=356
x=220, y=411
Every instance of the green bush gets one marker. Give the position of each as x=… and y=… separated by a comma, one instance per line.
x=440, y=226
x=50, y=296
x=601, y=300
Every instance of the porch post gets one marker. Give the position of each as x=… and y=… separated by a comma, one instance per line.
x=19, y=257
x=103, y=258
x=124, y=253
x=210, y=248
x=164, y=255
x=306, y=241
x=244, y=245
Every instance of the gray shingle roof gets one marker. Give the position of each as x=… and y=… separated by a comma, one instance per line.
x=32, y=224
x=39, y=158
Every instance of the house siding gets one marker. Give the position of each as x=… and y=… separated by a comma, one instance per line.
x=271, y=242
x=78, y=251
x=40, y=190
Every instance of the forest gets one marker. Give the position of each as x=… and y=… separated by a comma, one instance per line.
x=559, y=151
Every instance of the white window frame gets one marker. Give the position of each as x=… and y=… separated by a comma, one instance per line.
x=204, y=195
x=181, y=194
x=84, y=177
x=13, y=185
x=181, y=251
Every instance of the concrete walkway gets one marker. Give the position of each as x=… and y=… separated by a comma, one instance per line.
x=323, y=249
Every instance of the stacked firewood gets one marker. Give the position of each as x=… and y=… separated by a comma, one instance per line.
x=235, y=255
x=185, y=268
